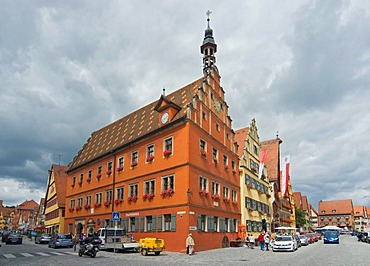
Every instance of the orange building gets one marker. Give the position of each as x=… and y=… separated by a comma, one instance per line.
x=169, y=168
x=336, y=212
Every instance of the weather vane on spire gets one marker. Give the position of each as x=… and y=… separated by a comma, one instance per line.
x=208, y=13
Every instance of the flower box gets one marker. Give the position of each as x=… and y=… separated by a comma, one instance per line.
x=119, y=168
x=98, y=176
x=167, y=153
x=107, y=203
x=97, y=205
x=117, y=201
x=78, y=208
x=203, y=192
x=80, y=183
x=148, y=196
x=235, y=203
x=149, y=158
x=227, y=200
x=71, y=209
x=260, y=191
x=88, y=180
x=250, y=186
x=203, y=153
x=109, y=172
x=132, y=199
x=134, y=164
x=73, y=185
x=216, y=197
x=87, y=206
x=234, y=171
x=167, y=192
x=215, y=160
x=226, y=167
x=261, y=212
x=250, y=209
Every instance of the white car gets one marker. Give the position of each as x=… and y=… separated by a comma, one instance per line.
x=285, y=243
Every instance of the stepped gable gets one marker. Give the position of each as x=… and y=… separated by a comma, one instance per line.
x=131, y=127
x=272, y=158
x=240, y=137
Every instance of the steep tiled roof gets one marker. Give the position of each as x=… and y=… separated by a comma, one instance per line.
x=240, y=136
x=60, y=177
x=313, y=209
x=335, y=207
x=28, y=205
x=358, y=210
x=304, y=203
x=131, y=127
x=272, y=158
x=297, y=199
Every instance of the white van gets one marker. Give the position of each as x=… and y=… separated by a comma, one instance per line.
x=116, y=238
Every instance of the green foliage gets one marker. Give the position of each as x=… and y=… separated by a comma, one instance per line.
x=300, y=219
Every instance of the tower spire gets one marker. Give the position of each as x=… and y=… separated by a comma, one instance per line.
x=208, y=48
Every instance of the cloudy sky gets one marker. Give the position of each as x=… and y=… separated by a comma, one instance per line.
x=302, y=68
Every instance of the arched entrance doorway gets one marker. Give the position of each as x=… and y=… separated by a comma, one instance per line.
x=225, y=242
x=90, y=226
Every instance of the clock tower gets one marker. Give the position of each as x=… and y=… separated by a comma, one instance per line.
x=208, y=49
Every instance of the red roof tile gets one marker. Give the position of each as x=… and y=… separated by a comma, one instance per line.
x=133, y=126
x=60, y=177
x=304, y=203
x=240, y=137
x=273, y=158
x=297, y=199
x=335, y=207
x=359, y=210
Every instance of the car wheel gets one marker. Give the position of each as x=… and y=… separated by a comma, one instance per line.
x=157, y=253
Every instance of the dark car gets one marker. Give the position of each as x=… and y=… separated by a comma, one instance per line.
x=3, y=236
x=14, y=238
x=42, y=239
x=61, y=240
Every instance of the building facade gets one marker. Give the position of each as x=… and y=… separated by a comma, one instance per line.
x=54, y=208
x=336, y=213
x=255, y=194
x=168, y=169
x=360, y=216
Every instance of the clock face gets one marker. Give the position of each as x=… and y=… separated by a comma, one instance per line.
x=164, y=118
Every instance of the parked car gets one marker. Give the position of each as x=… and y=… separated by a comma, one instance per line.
x=284, y=243
x=364, y=236
x=43, y=238
x=304, y=240
x=3, y=236
x=61, y=240
x=331, y=237
x=309, y=238
x=14, y=238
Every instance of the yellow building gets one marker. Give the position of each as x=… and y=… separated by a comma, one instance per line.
x=254, y=192
x=55, y=199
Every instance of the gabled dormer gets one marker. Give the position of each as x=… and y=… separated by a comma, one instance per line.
x=166, y=110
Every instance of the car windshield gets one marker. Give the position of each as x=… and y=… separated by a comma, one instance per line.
x=331, y=233
x=65, y=236
x=284, y=238
x=45, y=235
x=302, y=237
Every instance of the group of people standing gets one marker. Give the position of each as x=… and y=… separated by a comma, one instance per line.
x=263, y=240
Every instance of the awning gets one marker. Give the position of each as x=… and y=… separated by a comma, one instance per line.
x=49, y=226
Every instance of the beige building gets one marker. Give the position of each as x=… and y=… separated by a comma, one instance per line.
x=361, y=216
x=254, y=192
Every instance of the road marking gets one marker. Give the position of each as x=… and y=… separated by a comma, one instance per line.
x=27, y=255
x=71, y=253
x=42, y=254
x=57, y=253
x=9, y=256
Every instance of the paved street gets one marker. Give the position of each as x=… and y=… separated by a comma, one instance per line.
x=348, y=252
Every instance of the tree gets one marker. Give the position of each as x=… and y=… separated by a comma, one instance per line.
x=300, y=218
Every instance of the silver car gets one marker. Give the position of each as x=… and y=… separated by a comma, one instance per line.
x=61, y=240
x=304, y=240
x=43, y=238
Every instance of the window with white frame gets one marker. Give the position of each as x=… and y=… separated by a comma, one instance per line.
x=150, y=152
x=81, y=178
x=98, y=198
x=168, y=182
x=72, y=203
x=149, y=187
x=167, y=222
x=120, y=193
x=202, y=145
x=227, y=225
x=79, y=202
x=88, y=200
x=226, y=193
x=225, y=159
x=134, y=157
x=109, y=166
x=215, y=188
x=133, y=190
x=108, y=195
x=215, y=224
x=203, y=183
x=233, y=165
x=168, y=145
x=121, y=162
x=100, y=169
x=217, y=127
x=204, y=115
x=73, y=181
x=89, y=174
x=203, y=221
x=234, y=195
x=214, y=154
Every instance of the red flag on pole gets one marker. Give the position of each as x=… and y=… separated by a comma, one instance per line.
x=262, y=163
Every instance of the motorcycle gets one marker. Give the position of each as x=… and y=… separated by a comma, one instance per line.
x=89, y=249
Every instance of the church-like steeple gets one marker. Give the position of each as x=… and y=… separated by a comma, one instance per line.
x=208, y=48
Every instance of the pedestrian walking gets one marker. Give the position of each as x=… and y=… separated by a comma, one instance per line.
x=251, y=241
x=75, y=240
x=267, y=241
x=190, y=244
x=261, y=240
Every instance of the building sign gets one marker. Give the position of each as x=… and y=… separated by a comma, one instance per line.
x=192, y=228
x=132, y=214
